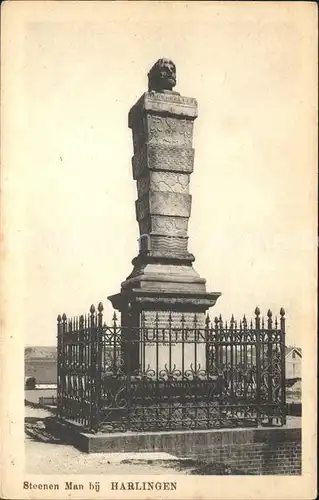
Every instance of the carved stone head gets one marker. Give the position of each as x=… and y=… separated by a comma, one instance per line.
x=162, y=76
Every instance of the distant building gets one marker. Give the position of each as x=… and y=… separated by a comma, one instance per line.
x=40, y=362
x=293, y=362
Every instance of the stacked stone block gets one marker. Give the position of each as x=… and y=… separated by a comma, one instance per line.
x=163, y=282
x=162, y=127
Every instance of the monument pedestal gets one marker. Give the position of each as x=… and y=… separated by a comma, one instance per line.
x=166, y=301
x=163, y=292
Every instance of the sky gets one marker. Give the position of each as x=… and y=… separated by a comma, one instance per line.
x=74, y=72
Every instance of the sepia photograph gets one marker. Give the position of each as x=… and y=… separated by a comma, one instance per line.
x=158, y=225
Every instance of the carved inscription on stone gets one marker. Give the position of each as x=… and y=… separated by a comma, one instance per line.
x=163, y=103
x=172, y=345
x=176, y=226
x=169, y=103
x=159, y=157
x=177, y=301
x=165, y=203
x=169, y=181
x=171, y=158
x=173, y=245
x=169, y=130
x=163, y=225
x=176, y=317
x=182, y=100
x=163, y=181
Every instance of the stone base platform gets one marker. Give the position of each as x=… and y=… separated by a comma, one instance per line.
x=265, y=450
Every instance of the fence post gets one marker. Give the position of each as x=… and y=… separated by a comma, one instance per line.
x=207, y=345
x=232, y=346
x=81, y=340
x=63, y=362
x=258, y=385
x=245, y=354
x=128, y=334
x=143, y=336
x=270, y=361
x=115, y=346
x=99, y=347
x=59, y=378
x=93, y=371
x=283, y=363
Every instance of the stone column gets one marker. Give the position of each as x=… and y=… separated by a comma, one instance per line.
x=164, y=287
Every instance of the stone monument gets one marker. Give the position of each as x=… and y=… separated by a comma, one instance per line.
x=163, y=286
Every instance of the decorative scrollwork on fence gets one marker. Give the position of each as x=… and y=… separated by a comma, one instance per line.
x=215, y=374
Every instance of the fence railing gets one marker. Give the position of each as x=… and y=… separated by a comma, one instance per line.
x=116, y=378
x=48, y=401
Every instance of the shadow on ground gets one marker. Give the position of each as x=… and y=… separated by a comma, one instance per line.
x=31, y=404
x=36, y=431
x=191, y=466
x=205, y=468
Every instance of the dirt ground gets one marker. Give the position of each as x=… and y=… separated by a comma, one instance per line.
x=47, y=458
x=34, y=395
x=53, y=458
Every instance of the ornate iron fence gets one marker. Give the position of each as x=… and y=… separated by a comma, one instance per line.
x=223, y=375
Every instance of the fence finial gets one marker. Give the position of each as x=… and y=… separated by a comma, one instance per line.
x=282, y=319
x=81, y=322
x=64, y=317
x=207, y=320
x=92, y=309
x=59, y=318
x=269, y=322
x=257, y=311
x=100, y=307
